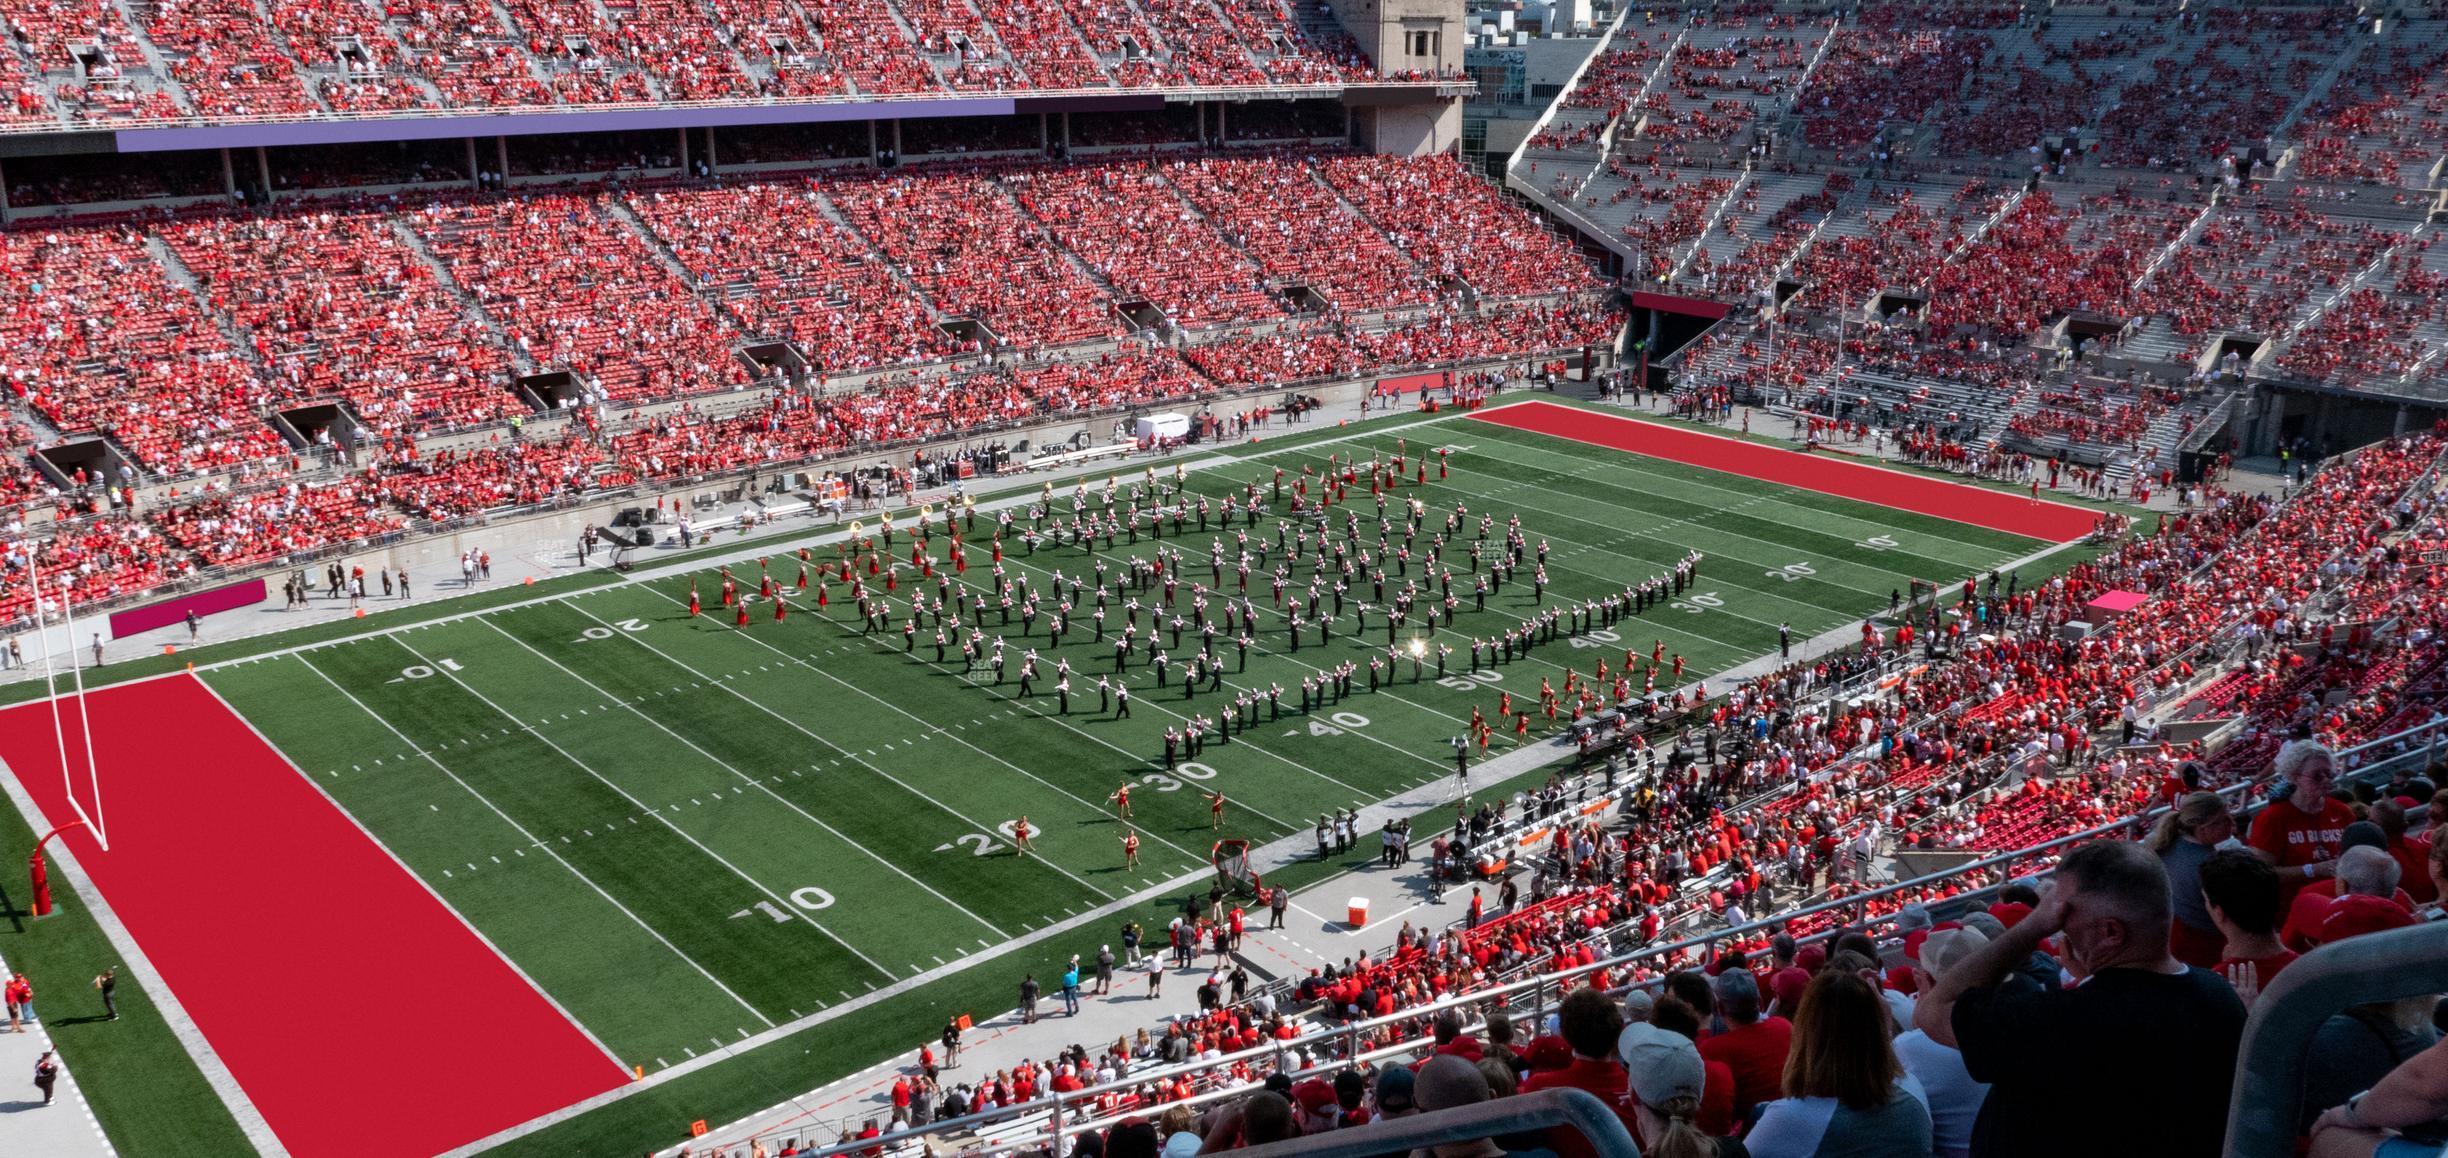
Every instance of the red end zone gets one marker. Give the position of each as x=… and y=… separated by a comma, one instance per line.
x=361, y=1015
x=1979, y=506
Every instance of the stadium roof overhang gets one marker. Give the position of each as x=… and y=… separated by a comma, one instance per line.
x=455, y=123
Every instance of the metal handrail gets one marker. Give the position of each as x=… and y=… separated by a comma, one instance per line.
x=2267, y=1103
x=1055, y=1106
x=1577, y=1110
x=1058, y=1115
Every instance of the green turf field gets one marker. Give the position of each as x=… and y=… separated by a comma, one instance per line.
x=693, y=836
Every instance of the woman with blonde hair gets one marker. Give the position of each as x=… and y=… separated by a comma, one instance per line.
x=1846, y=1094
x=2183, y=839
x=1174, y=1128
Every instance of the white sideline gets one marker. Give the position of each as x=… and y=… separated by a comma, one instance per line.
x=217, y=1074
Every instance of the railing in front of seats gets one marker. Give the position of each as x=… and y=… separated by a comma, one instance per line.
x=2267, y=1103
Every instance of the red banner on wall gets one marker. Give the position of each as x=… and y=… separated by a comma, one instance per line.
x=137, y=620
x=1409, y=383
x=1676, y=304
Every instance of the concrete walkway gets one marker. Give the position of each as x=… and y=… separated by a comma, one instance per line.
x=64, y=1129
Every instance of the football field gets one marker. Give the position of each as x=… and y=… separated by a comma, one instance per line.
x=589, y=835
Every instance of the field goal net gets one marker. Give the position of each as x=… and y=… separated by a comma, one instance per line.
x=1232, y=864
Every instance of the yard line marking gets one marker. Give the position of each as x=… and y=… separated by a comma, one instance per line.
x=521, y=829
x=1805, y=517
x=796, y=726
x=778, y=899
x=1700, y=522
x=794, y=659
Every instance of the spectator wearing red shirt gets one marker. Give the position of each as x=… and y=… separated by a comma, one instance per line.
x=1716, y=1117
x=2302, y=832
x=2372, y=863
x=1789, y=976
x=2241, y=892
x=2367, y=882
x=1752, y=1046
x=2413, y=856
x=1590, y=1022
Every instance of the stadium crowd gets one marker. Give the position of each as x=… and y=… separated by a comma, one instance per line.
x=181, y=338
x=1948, y=757
x=310, y=58
x=981, y=296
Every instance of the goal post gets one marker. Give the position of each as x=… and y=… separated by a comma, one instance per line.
x=95, y=819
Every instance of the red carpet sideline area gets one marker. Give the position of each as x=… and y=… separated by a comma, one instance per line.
x=329, y=939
